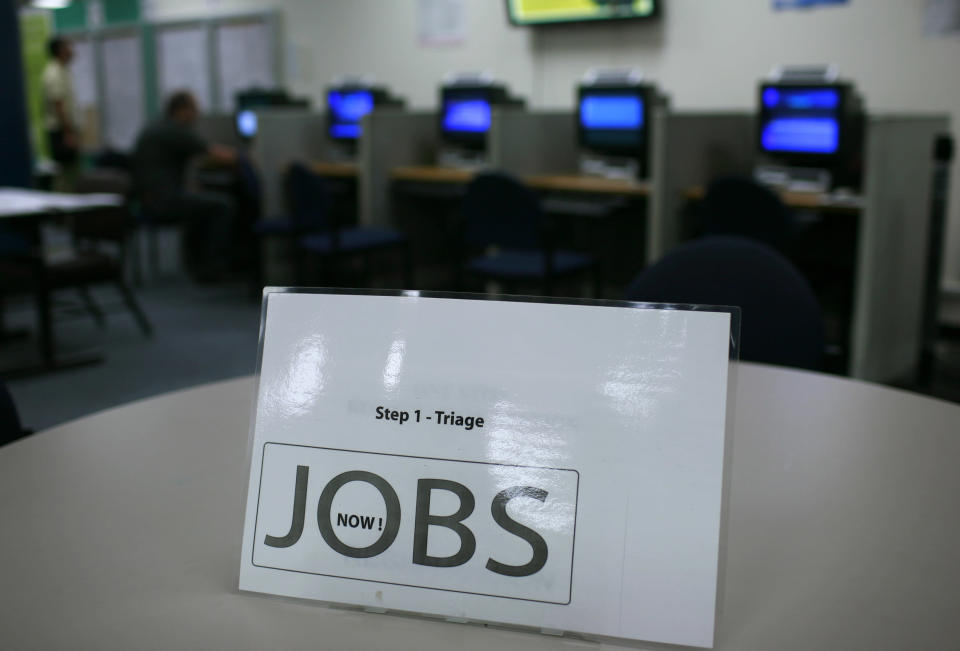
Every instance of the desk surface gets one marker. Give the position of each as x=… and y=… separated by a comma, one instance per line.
x=122, y=530
x=432, y=174
x=809, y=200
x=18, y=202
x=341, y=170
x=581, y=183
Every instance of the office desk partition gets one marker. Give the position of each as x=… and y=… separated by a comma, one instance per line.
x=124, y=530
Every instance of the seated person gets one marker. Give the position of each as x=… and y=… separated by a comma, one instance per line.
x=161, y=154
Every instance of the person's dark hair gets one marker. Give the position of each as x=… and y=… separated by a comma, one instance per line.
x=178, y=101
x=55, y=45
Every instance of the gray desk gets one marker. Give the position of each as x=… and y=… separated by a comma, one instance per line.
x=122, y=530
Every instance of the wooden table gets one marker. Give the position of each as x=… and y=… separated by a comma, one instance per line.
x=122, y=530
x=337, y=170
x=850, y=204
x=583, y=184
x=432, y=174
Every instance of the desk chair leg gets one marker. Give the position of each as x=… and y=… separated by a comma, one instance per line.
x=131, y=302
x=92, y=307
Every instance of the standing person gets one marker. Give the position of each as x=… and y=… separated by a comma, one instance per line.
x=161, y=155
x=58, y=109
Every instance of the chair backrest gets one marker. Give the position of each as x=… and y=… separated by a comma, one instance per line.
x=781, y=322
x=306, y=197
x=499, y=210
x=104, y=224
x=740, y=206
x=10, y=428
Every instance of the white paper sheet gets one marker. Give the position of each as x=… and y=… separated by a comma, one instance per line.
x=442, y=22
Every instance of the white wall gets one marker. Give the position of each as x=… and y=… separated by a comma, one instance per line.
x=703, y=53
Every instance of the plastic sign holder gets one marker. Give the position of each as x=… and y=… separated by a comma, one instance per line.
x=547, y=464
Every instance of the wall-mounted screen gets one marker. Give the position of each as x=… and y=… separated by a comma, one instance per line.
x=543, y=12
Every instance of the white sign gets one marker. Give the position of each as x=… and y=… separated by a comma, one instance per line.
x=442, y=22
x=548, y=465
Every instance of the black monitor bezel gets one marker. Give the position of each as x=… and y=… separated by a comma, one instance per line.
x=493, y=94
x=375, y=94
x=645, y=92
x=806, y=159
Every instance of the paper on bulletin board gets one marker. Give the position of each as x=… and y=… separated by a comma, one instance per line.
x=549, y=465
x=442, y=22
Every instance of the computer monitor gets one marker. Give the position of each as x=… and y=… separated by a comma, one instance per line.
x=346, y=106
x=345, y=109
x=613, y=121
x=801, y=120
x=466, y=111
x=809, y=125
x=246, y=124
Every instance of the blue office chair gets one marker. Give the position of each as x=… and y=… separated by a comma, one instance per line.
x=502, y=218
x=742, y=207
x=781, y=322
x=309, y=208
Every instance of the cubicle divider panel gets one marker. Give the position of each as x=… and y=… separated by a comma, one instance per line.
x=218, y=128
x=391, y=138
x=523, y=143
x=892, y=246
x=283, y=137
x=689, y=149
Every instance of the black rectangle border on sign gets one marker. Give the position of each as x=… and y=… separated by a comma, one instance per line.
x=573, y=548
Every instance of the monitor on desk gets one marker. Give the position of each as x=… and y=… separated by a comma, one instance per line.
x=346, y=106
x=346, y=109
x=816, y=126
x=613, y=121
x=466, y=113
x=246, y=124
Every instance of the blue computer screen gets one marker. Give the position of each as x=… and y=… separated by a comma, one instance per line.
x=611, y=112
x=347, y=108
x=466, y=115
x=801, y=120
x=247, y=124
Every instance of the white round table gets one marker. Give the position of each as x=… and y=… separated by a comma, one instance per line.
x=122, y=530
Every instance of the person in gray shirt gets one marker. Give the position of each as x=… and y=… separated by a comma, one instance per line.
x=161, y=155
